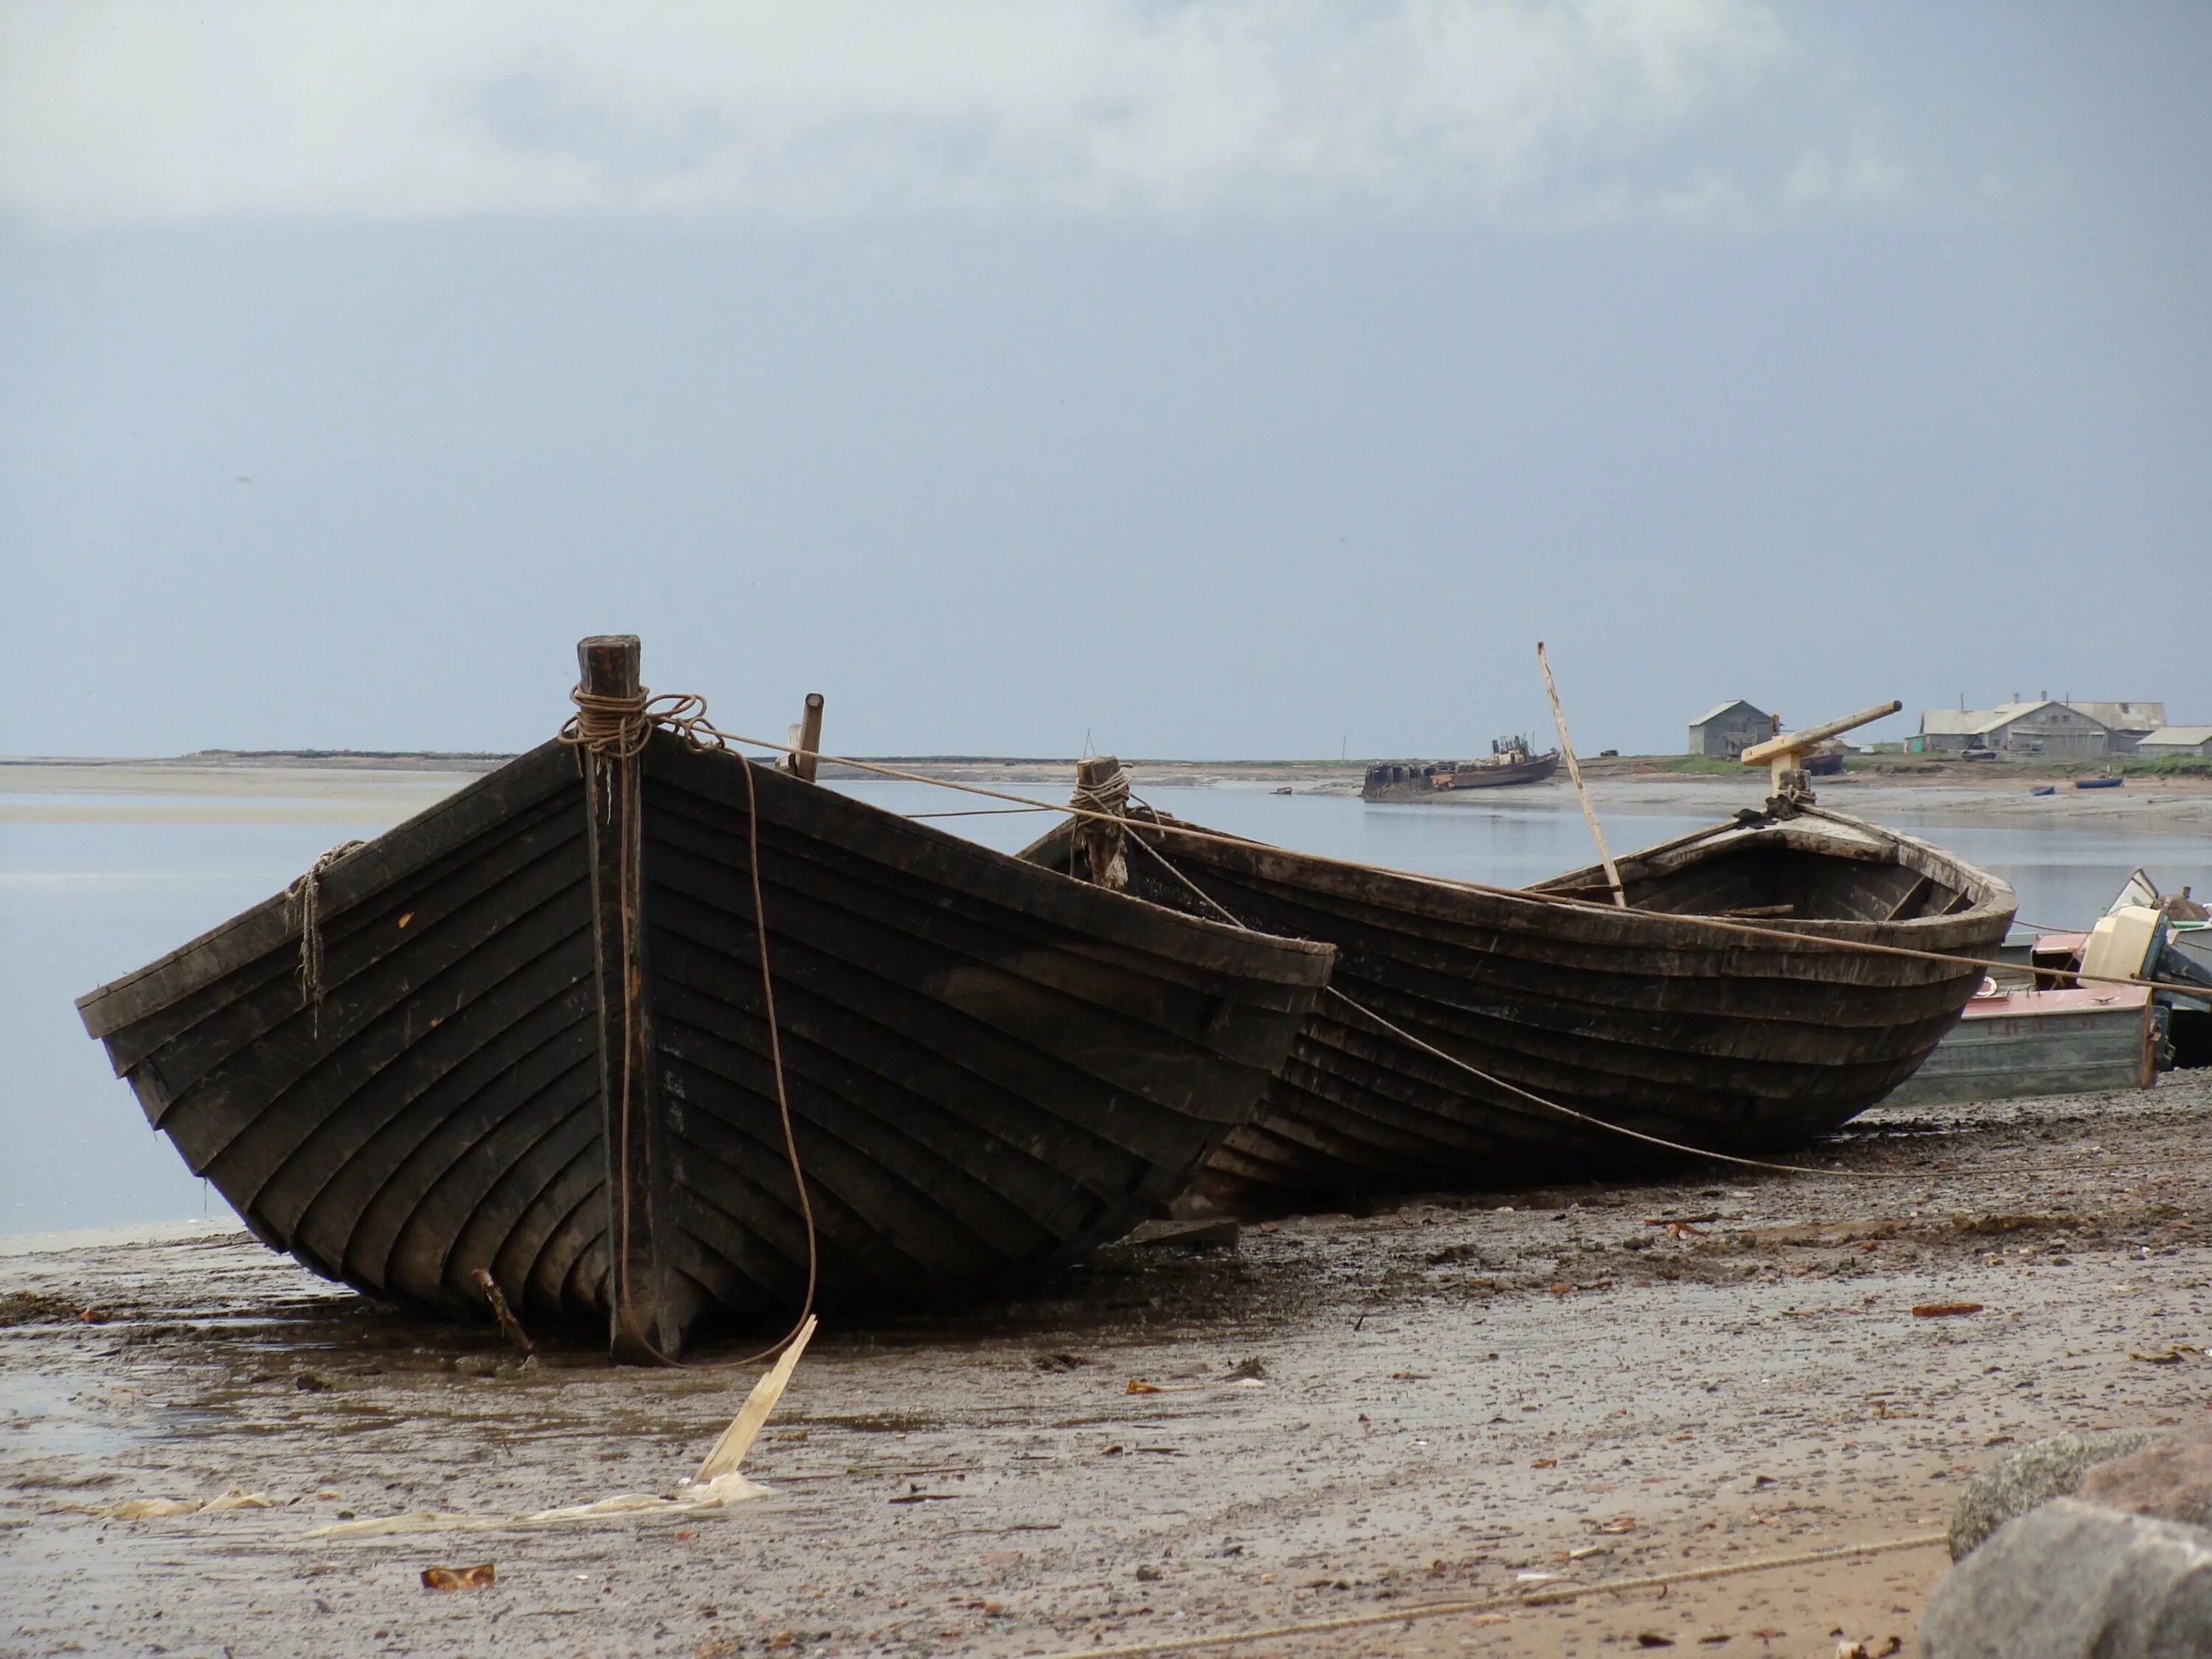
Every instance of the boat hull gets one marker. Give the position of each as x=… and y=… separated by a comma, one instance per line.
x=1639, y=1019
x=990, y=1068
x=1427, y=784
x=2018, y=1044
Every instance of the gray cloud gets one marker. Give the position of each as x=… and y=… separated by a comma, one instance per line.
x=838, y=108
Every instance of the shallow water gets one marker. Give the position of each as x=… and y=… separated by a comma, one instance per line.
x=82, y=903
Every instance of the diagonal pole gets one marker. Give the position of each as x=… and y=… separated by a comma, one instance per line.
x=1574, y=771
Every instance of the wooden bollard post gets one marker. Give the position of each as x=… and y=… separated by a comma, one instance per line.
x=1101, y=786
x=640, y=1331
x=809, y=739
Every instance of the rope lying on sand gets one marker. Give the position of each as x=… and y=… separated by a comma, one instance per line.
x=1555, y=1596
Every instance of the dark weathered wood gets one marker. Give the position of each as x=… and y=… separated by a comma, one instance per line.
x=1100, y=786
x=990, y=1066
x=643, y=1326
x=1634, y=1016
x=809, y=739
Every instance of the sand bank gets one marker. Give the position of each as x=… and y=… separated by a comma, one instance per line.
x=1454, y=1395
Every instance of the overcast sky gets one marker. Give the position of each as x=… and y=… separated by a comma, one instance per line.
x=1242, y=378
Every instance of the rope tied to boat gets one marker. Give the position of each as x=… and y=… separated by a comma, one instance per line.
x=1534, y=898
x=1422, y=1046
x=1102, y=802
x=616, y=729
x=619, y=728
x=304, y=905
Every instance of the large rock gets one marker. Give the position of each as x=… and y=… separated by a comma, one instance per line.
x=2073, y=1581
x=2030, y=1476
x=2170, y=1478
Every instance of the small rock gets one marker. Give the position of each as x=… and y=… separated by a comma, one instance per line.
x=2070, y=1580
x=2171, y=1479
x=2035, y=1473
x=1148, y=1574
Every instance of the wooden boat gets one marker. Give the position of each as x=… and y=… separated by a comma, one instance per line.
x=1640, y=1017
x=1510, y=762
x=540, y=1050
x=2014, y=1042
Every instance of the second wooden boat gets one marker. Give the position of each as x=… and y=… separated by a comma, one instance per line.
x=525, y=1038
x=1642, y=1018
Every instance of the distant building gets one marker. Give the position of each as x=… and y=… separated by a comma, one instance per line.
x=2051, y=730
x=1727, y=731
x=2176, y=740
x=2130, y=723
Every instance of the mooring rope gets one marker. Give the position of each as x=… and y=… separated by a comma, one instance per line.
x=685, y=714
x=617, y=728
x=1431, y=1049
x=304, y=898
x=1616, y=1128
x=1548, y=1596
x=691, y=725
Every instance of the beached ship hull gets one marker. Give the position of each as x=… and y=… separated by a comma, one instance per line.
x=1443, y=780
x=541, y=1052
x=1639, y=1018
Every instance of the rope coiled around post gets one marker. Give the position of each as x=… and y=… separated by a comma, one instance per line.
x=617, y=729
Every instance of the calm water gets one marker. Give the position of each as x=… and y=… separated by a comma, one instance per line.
x=80, y=904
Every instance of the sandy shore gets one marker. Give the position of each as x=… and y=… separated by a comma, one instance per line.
x=1452, y=1396
x=196, y=790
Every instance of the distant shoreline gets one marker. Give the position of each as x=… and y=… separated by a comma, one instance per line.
x=365, y=792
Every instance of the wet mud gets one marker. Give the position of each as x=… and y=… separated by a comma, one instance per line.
x=1440, y=1400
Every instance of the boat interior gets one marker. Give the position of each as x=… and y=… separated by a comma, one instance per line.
x=1792, y=870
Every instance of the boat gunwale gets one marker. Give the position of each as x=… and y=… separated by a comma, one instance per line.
x=536, y=776
x=1540, y=907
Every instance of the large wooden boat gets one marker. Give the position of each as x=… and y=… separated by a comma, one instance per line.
x=1640, y=1017
x=540, y=1051
x=1510, y=761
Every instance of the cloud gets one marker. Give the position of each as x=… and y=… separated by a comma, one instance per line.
x=121, y=113
x=1860, y=174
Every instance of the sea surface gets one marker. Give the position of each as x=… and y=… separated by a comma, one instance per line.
x=81, y=903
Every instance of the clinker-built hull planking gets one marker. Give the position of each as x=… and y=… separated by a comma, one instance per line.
x=1641, y=1016
x=990, y=1067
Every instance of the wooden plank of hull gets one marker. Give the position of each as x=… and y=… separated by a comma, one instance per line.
x=991, y=1066
x=1637, y=1017
x=987, y=1071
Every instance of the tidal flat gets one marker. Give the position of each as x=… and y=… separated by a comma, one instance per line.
x=1448, y=1399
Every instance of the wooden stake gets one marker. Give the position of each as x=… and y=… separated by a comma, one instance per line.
x=639, y=1330
x=809, y=739
x=1101, y=787
x=1575, y=772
